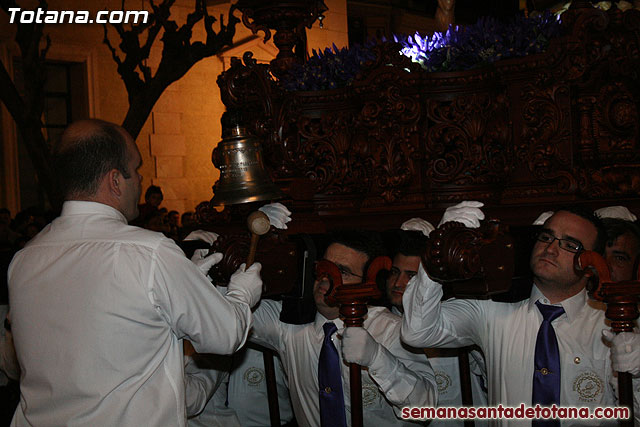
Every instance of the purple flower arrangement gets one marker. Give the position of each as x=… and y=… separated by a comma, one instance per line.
x=459, y=48
x=328, y=69
x=487, y=41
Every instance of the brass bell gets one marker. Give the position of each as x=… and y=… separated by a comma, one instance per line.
x=243, y=178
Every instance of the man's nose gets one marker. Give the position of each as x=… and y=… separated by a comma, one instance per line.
x=393, y=280
x=400, y=282
x=552, y=247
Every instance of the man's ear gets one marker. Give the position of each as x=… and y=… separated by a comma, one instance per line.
x=114, y=181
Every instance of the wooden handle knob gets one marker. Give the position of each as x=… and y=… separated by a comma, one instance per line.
x=258, y=223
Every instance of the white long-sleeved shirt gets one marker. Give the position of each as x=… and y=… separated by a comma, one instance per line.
x=446, y=369
x=232, y=391
x=99, y=310
x=397, y=377
x=248, y=389
x=507, y=333
x=8, y=363
x=206, y=381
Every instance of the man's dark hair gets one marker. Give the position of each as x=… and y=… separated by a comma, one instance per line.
x=616, y=227
x=85, y=157
x=153, y=189
x=411, y=243
x=369, y=243
x=589, y=215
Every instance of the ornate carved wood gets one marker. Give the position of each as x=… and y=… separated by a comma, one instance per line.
x=551, y=128
x=279, y=258
x=289, y=19
x=470, y=262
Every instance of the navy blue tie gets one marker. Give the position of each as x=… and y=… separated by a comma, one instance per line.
x=332, y=412
x=546, y=376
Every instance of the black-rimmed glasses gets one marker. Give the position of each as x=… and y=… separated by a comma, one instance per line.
x=568, y=245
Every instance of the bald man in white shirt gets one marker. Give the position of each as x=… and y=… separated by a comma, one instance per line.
x=99, y=308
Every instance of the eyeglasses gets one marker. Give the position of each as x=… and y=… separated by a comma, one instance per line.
x=346, y=273
x=566, y=244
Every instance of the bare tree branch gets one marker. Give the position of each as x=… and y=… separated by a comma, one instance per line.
x=27, y=108
x=179, y=54
x=134, y=47
x=105, y=40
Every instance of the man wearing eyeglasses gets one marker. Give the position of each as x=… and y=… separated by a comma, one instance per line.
x=315, y=355
x=546, y=350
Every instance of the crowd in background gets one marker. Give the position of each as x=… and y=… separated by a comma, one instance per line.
x=156, y=218
x=16, y=231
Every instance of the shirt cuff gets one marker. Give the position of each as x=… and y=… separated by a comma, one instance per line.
x=385, y=371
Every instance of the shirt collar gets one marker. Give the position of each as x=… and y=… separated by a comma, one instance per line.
x=572, y=306
x=372, y=312
x=81, y=207
x=320, y=320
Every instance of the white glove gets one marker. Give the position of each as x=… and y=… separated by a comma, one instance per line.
x=418, y=224
x=467, y=212
x=278, y=214
x=203, y=262
x=205, y=236
x=620, y=212
x=625, y=351
x=358, y=346
x=544, y=216
x=246, y=285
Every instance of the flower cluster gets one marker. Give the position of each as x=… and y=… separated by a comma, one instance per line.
x=328, y=69
x=459, y=48
x=487, y=41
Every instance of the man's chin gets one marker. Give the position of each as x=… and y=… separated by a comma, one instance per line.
x=395, y=301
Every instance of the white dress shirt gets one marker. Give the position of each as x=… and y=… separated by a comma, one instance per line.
x=217, y=398
x=390, y=383
x=248, y=389
x=206, y=385
x=446, y=369
x=99, y=310
x=8, y=363
x=507, y=333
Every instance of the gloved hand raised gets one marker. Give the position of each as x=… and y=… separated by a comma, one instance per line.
x=625, y=351
x=620, y=212
x=418, y=224
x=467, y=212
x=543, y=217
x=278, y=215
x=204, y=262
x=246, y=285
x=358, y=346
x=205, y=236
